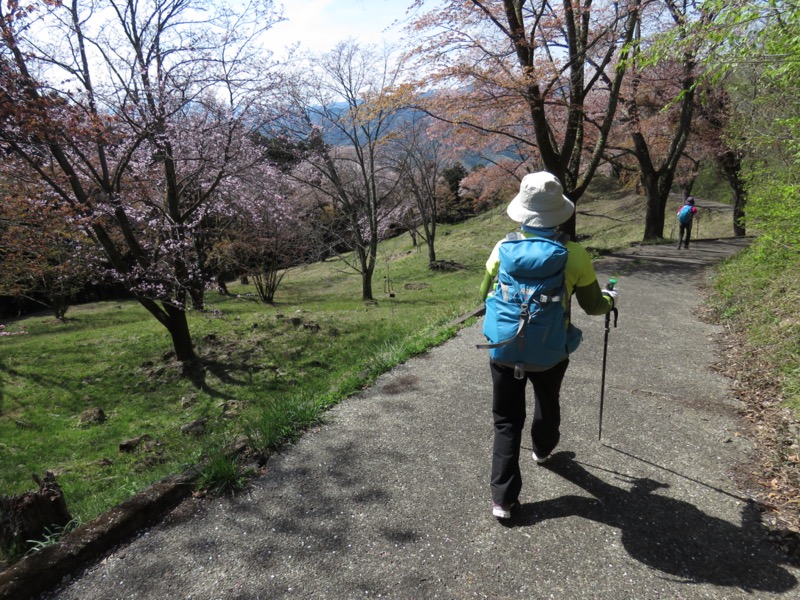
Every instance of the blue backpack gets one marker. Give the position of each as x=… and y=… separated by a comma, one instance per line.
x=525, y=321
x=685, y=215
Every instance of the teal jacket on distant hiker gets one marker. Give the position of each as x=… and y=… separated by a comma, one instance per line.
x=686, y=215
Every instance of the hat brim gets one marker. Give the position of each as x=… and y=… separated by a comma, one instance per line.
x=547, y=218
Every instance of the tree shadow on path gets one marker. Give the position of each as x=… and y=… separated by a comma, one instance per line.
x=666, y=534
x=666, y=264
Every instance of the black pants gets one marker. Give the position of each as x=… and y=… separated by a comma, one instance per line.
x=685, y=228
x=508, y=410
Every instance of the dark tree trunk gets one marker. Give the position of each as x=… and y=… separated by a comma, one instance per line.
x=366, y=262
x=366, y=285
x=656, y=205
x=197, y=294
x=174, y=319
x=731, y=166
x=222, y=286
x=178, y=327
x=431, y=252
x=739, y=201
x=569, y=227
x=430, y=236
x=32, y=515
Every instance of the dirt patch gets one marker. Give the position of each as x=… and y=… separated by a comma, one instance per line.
x=446, y=265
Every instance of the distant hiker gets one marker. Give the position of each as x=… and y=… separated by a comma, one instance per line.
x=685, y=217
x=543, y=269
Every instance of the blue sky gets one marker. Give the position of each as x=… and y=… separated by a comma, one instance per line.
x=319, y=24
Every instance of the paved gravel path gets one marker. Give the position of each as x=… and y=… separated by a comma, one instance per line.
x=391, y=499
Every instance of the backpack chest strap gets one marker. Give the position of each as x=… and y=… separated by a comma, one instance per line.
x=528, y=293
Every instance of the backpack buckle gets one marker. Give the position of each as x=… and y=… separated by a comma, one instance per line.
x=519, y=371
x=524, y=312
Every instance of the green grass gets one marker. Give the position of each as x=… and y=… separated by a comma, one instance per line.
x=272, y=371
x=757, y=294
x=222, y=473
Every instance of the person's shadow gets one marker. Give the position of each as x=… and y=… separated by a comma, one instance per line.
x=667, y=534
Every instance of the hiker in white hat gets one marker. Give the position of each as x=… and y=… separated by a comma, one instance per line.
x=537, y=271
x=541, y=202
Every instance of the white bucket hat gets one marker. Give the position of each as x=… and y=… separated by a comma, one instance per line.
x=541, y=201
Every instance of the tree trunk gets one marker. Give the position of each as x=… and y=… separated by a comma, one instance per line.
x=366, y=257
x=731, y=166
x=366, y=286
x=654, y=215
x=430, y=235
x=222, y=286
x=174, y=319
x=739, y=201
x=178, y=327
x=197, y=294
x=30, y=516
x=431, y=252
x=569, y=227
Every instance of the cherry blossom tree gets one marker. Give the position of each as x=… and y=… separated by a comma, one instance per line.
x=42, y=258
x=270, y=235
x=492, y=184
x=651, y=137
x=522, y=73
x=421, y=152
x=136, y=115
x=660, y=103
x=339, y=110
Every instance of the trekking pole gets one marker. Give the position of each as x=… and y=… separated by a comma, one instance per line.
x=610, y=286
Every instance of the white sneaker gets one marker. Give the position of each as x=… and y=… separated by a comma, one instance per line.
x=541, y=460
x=503, y=512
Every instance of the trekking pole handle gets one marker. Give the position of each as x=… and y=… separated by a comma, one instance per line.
x=610, y=286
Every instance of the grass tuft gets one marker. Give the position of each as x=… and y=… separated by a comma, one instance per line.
x=280, y=420
x=51, y=536
x=222, y=474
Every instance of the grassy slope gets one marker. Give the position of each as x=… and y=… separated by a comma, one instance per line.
x=319, y=343
x=756, y=296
